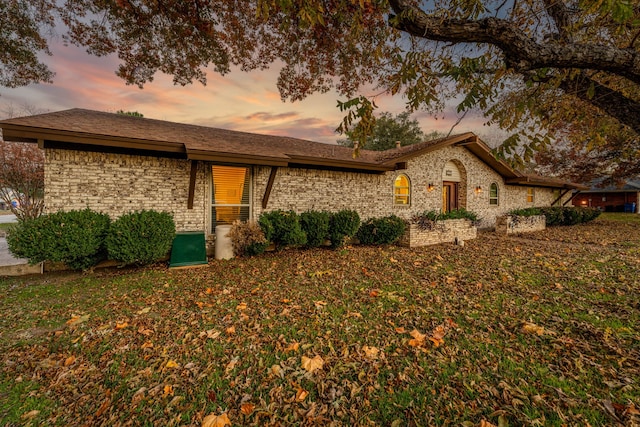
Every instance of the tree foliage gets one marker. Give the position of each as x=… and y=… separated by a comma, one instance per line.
x=22, y=178
x=534, y=67
x=386, y=131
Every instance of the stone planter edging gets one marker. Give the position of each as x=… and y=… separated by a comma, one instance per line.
x=513, y=224
x=445, y=231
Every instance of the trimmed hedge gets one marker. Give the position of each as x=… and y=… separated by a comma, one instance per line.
x=316, y=225
x=343, y=224
x=76, y=238
x=560, y=215
x=141, y=237
x=381, y=231
x=282, y=228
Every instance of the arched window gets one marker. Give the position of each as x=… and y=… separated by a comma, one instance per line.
x=493, y=194
x=402, y=190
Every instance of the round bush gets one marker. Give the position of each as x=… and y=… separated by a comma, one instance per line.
x=282, y=228
x=343, y=224
x=247, y=238
x=316, y=226
x=381, y=231
x=141, y=237
x=76, y=238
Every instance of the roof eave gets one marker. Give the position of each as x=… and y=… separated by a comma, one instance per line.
x=30, y=134
x=533, y=182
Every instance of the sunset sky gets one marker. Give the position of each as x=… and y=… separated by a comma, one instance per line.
x=238, y=101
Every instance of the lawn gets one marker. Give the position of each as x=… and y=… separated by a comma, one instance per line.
x=539, y=329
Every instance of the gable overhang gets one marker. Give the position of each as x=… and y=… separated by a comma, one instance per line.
x=471, y=142
x=537, y=182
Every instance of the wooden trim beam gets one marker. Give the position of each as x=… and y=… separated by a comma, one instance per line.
x=560, y=197
x=192, y=183
x=267, y=191
x=571, y=198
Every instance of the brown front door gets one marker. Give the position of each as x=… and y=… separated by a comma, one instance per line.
x=449, y=196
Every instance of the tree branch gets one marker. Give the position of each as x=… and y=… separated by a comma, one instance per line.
x=521, y=52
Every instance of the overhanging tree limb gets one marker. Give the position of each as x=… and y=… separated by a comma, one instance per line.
x=521, y=52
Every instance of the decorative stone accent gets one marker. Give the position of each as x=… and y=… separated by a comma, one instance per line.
x=447, y=231
x=513, y=224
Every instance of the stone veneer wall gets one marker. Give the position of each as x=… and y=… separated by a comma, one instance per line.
x=117, y=183
x=510, y=224
x=371, y=195
x=443, y=232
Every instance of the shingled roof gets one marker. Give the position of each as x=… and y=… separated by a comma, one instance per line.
x=87, y=129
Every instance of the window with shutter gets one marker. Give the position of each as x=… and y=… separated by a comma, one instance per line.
x=231, y=194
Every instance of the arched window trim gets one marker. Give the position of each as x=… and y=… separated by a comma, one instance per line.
x=494, y=194
x=401, y=193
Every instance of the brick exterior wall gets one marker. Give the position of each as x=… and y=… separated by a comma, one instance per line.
x=372, y=195
x=119, y=183
x=116, y=184
x=508, y=224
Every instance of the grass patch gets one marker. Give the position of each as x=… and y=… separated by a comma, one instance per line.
x=539, y=329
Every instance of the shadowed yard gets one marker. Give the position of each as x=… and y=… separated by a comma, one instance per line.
x=539, y=329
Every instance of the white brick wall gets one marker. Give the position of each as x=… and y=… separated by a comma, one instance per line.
x=117, y=184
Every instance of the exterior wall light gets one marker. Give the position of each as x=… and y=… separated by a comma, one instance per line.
x=430, y=187
x=478, y=189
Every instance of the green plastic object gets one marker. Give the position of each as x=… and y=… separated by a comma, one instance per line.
x=188, y=249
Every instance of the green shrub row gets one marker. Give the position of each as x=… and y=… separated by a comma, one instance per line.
x=560, y=215
x=427, y=219
x=381, y=231
x=83, y=238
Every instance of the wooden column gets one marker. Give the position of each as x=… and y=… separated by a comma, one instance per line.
x=192, y=183
x=267, y=191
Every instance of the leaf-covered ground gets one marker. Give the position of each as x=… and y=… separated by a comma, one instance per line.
x=539, y=329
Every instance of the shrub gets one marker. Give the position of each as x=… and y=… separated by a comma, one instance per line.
x=141, y=237
x=343, y=224
x=316, y=225
x=427, y=219
x=569, y=215
x=554, y=215
x=75, y=238
x=525, y=212
x=381, y=231
x=247, y=238
x=283, y=228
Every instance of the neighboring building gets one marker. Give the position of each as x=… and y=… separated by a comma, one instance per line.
x=204, y=176
x=623, y=198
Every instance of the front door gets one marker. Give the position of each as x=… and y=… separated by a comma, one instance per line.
x=449, y=196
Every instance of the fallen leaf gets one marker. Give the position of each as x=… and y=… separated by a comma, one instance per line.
x=418, y=338
x=400, y=330
x=311, y=365
x=247, y=408
x=122, y=325
x=30, y=414
x=231, y=330
x=144, y=310
x=374, y=293
x=232, y=364
x=485, y=423
x=147, y=344
x=216, y=420
x=145, y=332
x=532, y=328
x=241, y=306
x=437, y=336
x=168, y=390
x=276, y=370
x=70, y=360
x=172, y=364
x=76, y=320
x=301, y=394
x=292, y=347
x=319, y=304
x=370, y=352
x=209, y=291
